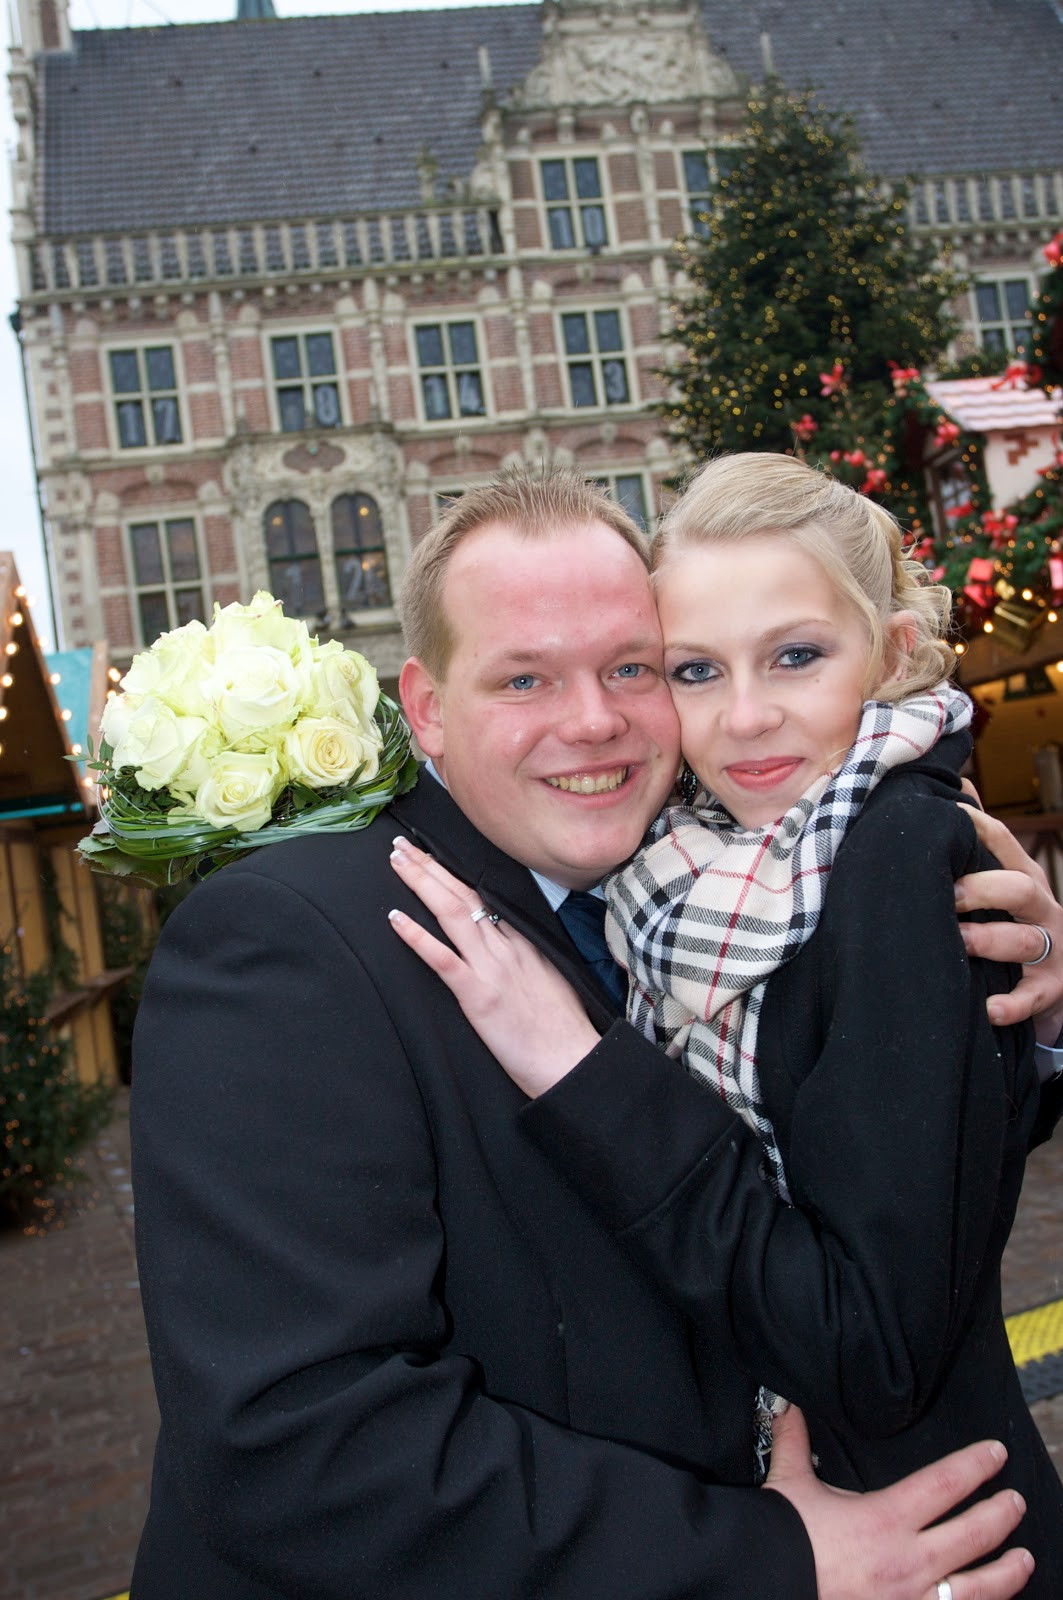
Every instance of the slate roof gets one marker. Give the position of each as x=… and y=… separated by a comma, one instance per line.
x=312, y=116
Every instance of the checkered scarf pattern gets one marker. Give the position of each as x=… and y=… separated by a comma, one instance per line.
x=707, y=911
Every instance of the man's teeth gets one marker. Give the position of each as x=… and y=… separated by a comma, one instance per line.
x=585, y=784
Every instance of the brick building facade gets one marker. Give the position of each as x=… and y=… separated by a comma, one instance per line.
x=284, y=284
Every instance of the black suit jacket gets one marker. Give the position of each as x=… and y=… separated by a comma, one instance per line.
x=396, y=1356
x=903, y=1119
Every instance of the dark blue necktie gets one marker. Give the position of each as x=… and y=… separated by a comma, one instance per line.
x=583, y=918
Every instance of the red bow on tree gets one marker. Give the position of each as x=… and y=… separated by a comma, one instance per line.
x=833, y=381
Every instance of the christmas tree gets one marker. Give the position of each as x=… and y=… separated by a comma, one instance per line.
x=805, y=272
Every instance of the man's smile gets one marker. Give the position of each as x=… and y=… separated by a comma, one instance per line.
x=590, y=783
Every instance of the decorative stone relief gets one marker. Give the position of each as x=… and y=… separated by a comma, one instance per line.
x=313, y=456
x=655, y=57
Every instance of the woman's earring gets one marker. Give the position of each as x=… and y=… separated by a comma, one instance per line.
x=688, y=784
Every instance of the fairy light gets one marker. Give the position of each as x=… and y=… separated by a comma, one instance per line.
x=7, y=680
x=55, y=677
x=987, y=627
x=114, y=674
x=960, y=649
x=11, y=649
x=66, y=715
x=17, y=619
x=3, y=713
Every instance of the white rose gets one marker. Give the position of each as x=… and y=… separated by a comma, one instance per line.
x=185, y=657
x=156, y=742
x=199, y=759
x=261, y=623
x=253, y=688
x=117, y=713
x=342, y=684
x=324, y=751
x=239, y=791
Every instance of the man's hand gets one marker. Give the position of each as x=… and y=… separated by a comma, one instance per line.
x=1022, y=889
x=879, y=1546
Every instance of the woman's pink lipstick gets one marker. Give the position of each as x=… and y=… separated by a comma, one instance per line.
x=760, y=776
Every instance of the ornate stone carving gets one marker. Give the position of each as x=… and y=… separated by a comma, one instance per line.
x=317, y=455
x=654, y=56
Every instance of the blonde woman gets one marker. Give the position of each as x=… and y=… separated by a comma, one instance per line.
x=791, y=941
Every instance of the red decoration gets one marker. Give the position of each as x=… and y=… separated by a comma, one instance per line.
x=1053, y=251
x=1055, y=575
x=875, y=481
x=1000, y=526
x=964, y=509
x=947, y=433
x=855, y=458
x=805, y=426
x=833, y=381
x=1018, y=375
x=980, y=570
x=902, y=377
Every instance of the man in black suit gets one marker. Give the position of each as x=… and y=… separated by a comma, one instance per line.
x=396, y=1359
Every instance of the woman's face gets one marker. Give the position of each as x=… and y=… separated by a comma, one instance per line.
x=766, y=662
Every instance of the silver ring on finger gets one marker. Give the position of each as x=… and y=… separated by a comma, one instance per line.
x=1036, y=962
x=481, y=912
x=944, y=1590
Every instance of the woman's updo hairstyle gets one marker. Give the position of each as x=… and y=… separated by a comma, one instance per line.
x=857, y=542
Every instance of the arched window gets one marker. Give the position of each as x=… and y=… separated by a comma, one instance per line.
x=294, y=565
x=361, y=560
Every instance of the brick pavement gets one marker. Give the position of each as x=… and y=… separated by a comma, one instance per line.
x=77, y=1412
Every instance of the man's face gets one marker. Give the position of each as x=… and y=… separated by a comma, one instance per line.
x=553, y=728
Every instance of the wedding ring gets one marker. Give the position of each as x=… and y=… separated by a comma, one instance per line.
x=944, y=1590
x=1036, y=962
x=479, y=913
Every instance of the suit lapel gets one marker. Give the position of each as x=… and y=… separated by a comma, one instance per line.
x=431, y=818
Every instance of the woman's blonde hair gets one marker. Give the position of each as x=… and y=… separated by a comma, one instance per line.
x=857, y=543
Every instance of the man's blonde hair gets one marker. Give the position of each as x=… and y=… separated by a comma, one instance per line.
x=535, y=506
x=857, y=543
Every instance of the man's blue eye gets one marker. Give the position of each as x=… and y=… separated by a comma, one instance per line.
x=523, y=680
x=630, y=669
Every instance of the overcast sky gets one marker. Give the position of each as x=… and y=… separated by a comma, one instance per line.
x=21, y=532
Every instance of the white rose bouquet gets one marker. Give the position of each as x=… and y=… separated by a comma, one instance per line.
x=238, y=735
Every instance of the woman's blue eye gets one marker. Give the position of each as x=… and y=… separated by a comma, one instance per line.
x=693, y=672
x=799, y=655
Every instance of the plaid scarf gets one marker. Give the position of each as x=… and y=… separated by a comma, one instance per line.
x=706, y=911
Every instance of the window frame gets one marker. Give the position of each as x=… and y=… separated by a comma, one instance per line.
x=609, y=479
x=574, y=205
x=449, y=370
x=302, y=557
x=1005, y=324
x=169, y=587
x=369, y=612
x=700, y=228
x=595, y=358
x=307, y=382
x=144, y=396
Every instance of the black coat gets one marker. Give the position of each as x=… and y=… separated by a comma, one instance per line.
x=397, y=1358
x=903, y=1120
